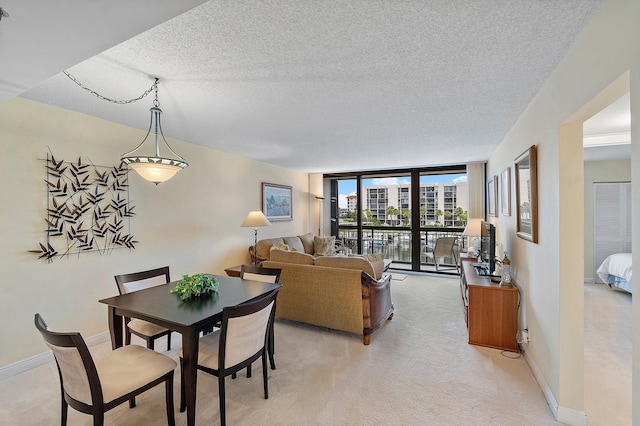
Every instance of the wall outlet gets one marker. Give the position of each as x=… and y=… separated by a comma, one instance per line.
x=523, y=336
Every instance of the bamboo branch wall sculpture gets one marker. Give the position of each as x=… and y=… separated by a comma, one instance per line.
x=88, y=209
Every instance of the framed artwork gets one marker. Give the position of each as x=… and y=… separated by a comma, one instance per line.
x=526, y=166
x=492, y=197
x=505, y=192
x=276, y=202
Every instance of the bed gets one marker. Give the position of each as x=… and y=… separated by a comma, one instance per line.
x=616, y=271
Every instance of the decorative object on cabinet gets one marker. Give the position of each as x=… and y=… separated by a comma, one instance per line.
x=153, y=168
x=526, y=166
x=505, y=191
x=492, y=197
x=475, y=229
x=88, y=209
x=277, y=202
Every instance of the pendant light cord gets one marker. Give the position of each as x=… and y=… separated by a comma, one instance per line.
x=154, y=86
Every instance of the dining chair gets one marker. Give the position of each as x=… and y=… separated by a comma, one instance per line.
x=96, y=386
x=272, y=275
x=444, y=248
x=241, y=340
x=135, y=281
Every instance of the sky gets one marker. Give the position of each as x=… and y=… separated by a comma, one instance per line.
x=348, y=187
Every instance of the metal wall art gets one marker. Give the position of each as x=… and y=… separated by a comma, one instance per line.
x=88, y=209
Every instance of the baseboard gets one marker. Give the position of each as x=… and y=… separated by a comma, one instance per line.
x=546, y=390
x=563, y=415
x=572, y=417
x=589, y=280
x=34, y=361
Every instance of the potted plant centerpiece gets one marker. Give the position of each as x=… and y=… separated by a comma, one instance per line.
x=195, y=285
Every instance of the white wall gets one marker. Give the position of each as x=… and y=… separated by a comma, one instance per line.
x=191, y=223
x=598, y=171
x=550, y=273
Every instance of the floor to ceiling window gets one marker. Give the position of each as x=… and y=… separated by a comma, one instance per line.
x=402, y=214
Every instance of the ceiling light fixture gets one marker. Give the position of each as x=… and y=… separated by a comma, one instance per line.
x=3, y=14
x=155, y=168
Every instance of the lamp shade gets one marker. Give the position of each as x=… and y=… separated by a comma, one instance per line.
x=155, y=172
x=475, y=227
x=255, y=219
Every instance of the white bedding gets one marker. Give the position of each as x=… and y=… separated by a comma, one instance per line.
x=616, y=271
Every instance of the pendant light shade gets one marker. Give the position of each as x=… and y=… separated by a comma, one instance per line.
x=155, y=168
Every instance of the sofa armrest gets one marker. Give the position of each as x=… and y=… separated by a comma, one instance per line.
x=376, y=303
x=252, y=254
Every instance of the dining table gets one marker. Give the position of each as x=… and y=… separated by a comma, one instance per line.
x=189, y=317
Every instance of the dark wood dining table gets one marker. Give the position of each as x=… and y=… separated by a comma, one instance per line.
x=189, y=318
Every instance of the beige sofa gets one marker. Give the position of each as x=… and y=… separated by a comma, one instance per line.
x=337, y=292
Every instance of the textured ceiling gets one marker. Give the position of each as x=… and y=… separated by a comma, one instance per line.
x=334, y=85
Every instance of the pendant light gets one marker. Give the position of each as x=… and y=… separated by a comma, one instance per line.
x=155, y=168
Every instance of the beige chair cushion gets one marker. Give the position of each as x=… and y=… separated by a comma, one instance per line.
x=307, y=242
x=245, y=337
x=292, y=257
x=264, y=246
x=129, y=368
x=351, y=262
x=142, y=284
x=325, y=246
x=121, y=371
x=144, y=327
x=294, y=243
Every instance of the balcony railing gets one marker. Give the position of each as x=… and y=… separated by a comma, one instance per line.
x=395, y=243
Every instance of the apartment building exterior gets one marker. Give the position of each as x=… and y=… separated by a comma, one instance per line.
x=448, y=199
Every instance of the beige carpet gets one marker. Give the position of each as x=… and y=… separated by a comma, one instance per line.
x=418, y=370
x=607, y=356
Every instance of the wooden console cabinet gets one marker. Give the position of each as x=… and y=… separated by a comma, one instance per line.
x=491, y=310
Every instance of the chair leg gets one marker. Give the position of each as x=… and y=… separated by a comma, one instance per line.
x=150, y=343
x=171, y=420
x=132, y=402
x=264, y=374
x=248, y=371
x=223, y=413
x=169, y=341
x=183, y=402
x=127, y=336
x=98, y=419
x=65, y=410
x=272, y=347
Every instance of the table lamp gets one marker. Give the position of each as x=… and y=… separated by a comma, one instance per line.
x=475, y=228
x=255, y=219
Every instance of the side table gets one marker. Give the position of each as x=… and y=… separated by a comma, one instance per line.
x=233, y=271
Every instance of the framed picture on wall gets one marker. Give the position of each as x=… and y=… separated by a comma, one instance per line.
x=277, y=202
x=505, y=191
x=526, y=166
x=492, y=197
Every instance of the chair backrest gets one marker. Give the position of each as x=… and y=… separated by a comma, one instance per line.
x=77, y=370
x=141, y=280
x=244, y=327
x=444, y=246
x=258, y=273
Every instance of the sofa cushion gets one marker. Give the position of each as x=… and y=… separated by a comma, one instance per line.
x=377, y=260
x=344, y=262
x=294, y=243
x=325, y=246
x=264, y=246
x=291, y=257
x=307, y=242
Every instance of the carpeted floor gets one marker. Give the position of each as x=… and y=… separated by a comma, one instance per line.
x=417, y=370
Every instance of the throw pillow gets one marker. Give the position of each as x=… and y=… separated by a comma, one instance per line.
x=325, y=246
x=280, y=246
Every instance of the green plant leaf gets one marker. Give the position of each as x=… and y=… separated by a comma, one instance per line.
x=195, y=285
